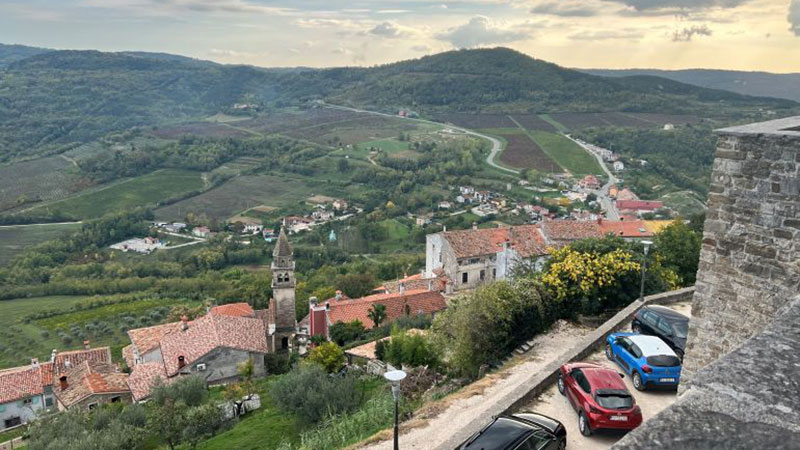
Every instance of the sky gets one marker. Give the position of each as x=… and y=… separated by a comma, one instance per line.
x=665, y=34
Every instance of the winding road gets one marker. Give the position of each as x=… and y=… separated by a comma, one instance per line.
x=497, y=146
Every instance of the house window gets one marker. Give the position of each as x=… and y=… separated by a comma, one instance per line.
x=116, y=399
x=48, y=402
x=92, y=406
x=2, y=408
x=407, y=310
x=12, y=422
x=483, y=275
x=285, y=343
x=494, y=274
x=27, y=401
x=464, y=278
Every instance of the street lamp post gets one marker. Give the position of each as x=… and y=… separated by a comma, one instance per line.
x=395, y=377
x=647, y=245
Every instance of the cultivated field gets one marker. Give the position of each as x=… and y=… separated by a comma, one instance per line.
x=577, y=121
x=145, y=190
x=201, y=129
x=283, y=121
x=476, y=121
x=566, y=153
x=15, y=239
x=522, y=152
x=245, y=192
x=44, y=179
x=534, y=122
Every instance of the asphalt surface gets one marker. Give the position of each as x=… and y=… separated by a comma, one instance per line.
x=552, y=403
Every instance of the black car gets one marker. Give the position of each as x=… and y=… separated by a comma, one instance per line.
x=524, y=431
x=668, y=324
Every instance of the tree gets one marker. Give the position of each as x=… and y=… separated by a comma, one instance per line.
x=311, y=393
x=328, y=355
x=356, y=285
x=202, y=422
x=343, y=165
x=344, y=333
x=679, y=247
x=377, y=314
x=409, y=348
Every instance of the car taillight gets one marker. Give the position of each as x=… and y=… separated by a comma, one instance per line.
x=593, y=410
x=647, y=369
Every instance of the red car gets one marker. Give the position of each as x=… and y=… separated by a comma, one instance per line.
x=599, y=396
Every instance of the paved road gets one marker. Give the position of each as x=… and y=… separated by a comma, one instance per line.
x=39, y=224
x=602, y=194
x=497, y=146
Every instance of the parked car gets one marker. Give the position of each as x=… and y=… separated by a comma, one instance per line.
x=668, y=324
x=523, y=431
x=599, y=396
x=647, y=359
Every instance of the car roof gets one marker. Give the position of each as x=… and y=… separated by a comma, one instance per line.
x=651, y=345
x=603, y=378
x=501, y=434
x=668, y=313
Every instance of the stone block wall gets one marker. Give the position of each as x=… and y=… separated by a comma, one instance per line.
x=750, y=258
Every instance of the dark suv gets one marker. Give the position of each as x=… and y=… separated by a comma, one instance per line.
x=668, y=324
x=523, y=431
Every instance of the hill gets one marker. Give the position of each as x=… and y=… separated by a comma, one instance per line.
x=13, y=53
x=765, y=84
x=51, y=100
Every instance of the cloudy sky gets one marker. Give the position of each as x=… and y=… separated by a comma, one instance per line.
x=668, y=34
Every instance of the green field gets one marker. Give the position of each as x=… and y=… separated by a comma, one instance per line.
x=15, y=239
x=566, y=153
x=685, y=203
x=145, y=190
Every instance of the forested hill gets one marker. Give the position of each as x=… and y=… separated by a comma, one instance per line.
x=56, y=98
x=13, y=53
x=779, y=85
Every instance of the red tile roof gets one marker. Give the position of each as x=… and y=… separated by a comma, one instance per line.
x=233, y=309
x=147, y=339
x=143, y=377
x=417, y=301
x=19, y=383
x=639, y=205
x=76, y=357
x=87, y=379
x=526, y=240
x=625, y=228
x=209, y=332
x=560, y=231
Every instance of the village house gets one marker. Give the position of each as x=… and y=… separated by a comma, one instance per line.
x=139, y=245
x=638, y=207
x=296, y=224
x=175, y=227
x=340, y=205
x=322, y=315
x=87, y=385
x=322, y=215
x=619, y=166
x=28, y=390
x=201, y=232
x=252, y=228
x=589, y=182
x=269, y=234
x=626, y=194
x=485, y=209
x=444, y=204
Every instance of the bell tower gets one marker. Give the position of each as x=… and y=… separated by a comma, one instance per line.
x=283, y=285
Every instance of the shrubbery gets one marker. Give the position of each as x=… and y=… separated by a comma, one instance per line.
x=313, y=395
x=408, y=348
x=329, y=356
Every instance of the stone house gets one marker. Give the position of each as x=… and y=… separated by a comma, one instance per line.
x=88, y=385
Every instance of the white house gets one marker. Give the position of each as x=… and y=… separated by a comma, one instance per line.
x=618, y=166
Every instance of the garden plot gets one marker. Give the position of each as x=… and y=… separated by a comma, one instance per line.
x=44, y=179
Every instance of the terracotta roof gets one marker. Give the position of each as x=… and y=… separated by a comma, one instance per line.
x=639, y=205
x=143, y=377
x=19, y=383
x=76, y=357
x=127, y=355
x=147, y=339
x=625, y=228
x=47, y=370
x=655, y=226
x=209, y=332
x=569, y=230
x=526, y=240
x=87, y=379
x=233, y=309
x=422, y=300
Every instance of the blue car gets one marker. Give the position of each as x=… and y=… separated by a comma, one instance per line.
x=647, y=359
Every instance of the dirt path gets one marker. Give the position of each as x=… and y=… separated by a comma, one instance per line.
x=438, y=421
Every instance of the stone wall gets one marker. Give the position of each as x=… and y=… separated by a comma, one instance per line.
x=750, y=259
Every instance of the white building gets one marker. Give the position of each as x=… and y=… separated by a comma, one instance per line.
x=618, y=166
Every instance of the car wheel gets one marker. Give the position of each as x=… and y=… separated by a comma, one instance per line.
x=637, y=328
x=583, y=425
x=562, y=444
x=561, y=388
x=609, y=352
x=637, y=381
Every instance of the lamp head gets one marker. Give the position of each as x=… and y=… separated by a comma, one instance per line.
x=395, y=377
x=647, y=245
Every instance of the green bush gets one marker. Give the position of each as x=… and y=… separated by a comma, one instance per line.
x=329, y=356
x=312, y=394
x=276, y=363
x=411, y=349
x=344, y=333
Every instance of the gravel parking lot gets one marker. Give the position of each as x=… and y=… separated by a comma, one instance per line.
x=553, y=404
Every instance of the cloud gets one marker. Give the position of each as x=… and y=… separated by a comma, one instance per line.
x=686, y=34
x=236, y=6
x=641, y=5
x=421, y=48
x=628, y=34
x=389, y=30
x=794, y=17
x=479, y=31
x=565, y=9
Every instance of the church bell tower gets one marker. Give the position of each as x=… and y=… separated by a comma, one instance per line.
x=283, y=286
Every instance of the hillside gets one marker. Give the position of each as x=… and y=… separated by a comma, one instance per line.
x=12, y=53
x=51, y=100
x=765, y=84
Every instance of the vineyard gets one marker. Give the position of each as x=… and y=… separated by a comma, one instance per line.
x=45, y=179
x=522, y=152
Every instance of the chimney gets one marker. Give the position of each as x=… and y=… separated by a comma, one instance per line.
x=312, y=301
x=53, y=355
x=181, y=362
x=599, y=220
x=62, y=382
x=474, y=225
x=444, y=229
x=401, y=288
x=35, y=362
x=338, y=295
x=87, y=344
x=327, y=306
x=67, y=363
x=184, y=323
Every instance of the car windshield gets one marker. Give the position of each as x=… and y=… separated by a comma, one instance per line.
x=681, y=329
x=663, y=361
x=615, y=401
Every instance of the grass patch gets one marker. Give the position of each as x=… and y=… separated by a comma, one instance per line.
x=566, y=153
x=145, y=190
x=15, y=239
x=559, y=126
